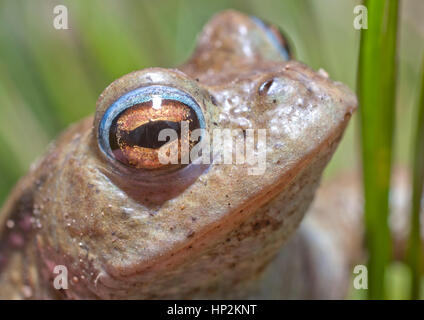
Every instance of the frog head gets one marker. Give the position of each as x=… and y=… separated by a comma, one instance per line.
x=207, y=224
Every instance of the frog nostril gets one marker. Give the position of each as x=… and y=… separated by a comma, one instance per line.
x=213, y=99
x=264, y=88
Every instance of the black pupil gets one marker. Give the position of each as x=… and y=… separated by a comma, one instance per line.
x=147, y=135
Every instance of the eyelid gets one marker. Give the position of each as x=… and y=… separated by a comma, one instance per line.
x=140, y=95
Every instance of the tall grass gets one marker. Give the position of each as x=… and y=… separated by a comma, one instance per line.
x=376, y=92
x=414, y=249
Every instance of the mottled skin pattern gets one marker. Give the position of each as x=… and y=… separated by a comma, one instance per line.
x=203, y=231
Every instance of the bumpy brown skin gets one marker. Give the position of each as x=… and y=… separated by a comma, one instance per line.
x=199, y=232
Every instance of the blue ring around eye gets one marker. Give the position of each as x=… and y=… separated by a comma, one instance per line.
x=272, y=37
x=140, y=95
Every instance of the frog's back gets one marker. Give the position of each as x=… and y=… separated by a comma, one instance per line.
x=18, y=256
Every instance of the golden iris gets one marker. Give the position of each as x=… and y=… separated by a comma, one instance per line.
x=134, y=133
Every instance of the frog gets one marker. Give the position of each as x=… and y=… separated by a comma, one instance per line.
x=103, y=207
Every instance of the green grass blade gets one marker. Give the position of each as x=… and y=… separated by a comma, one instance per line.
x=376, y=93
x=414, y=249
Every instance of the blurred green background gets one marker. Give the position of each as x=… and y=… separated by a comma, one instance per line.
x=50, y=78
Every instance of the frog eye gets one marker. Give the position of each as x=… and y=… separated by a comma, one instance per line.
x=276, y=36
x=129, y=131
